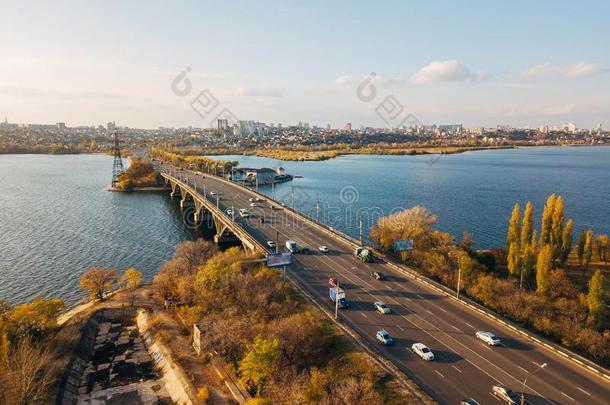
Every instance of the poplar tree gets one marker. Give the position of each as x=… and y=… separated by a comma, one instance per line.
x=588, y=251
x=528, y=259
x=566, y=241
x=514, y=259
x=580, y=246
x=544, y=265
x=595, y=297
x=528, y=224
x=557, y=225
x=513, y=226
x=547, y=220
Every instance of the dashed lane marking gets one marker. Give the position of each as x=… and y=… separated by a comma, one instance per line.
x=567, y=396
x=399, y=327
x=455, y=327
x=469, y=325
x=583, y=391
x=457, y=369
x=363, y=314
x=439, y=373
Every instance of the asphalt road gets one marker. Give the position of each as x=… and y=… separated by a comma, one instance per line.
x=463, y=366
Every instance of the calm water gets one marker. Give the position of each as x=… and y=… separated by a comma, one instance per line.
x=473, y=191
x=56, y=220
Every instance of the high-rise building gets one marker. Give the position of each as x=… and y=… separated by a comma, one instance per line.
x=111, y=126
x=223, y=124
x=61, y=126
x=347, y=126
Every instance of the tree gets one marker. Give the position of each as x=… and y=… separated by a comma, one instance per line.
x=98, y=281
x=27, y=373
x=413, y=223
x=544, y=265
x=528, y=260
x=595, y=297
x=132, y=279
x=513, y=233
x=258, y=365
x=557, y=226
x=588, y=251
x=514, y=259
x=547, y=220
x=566, y=242
x=36, y=318
x=602, y=245
x=580, y=245
x=528, y=224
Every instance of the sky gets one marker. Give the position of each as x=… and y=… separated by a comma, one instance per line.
x=158, y=63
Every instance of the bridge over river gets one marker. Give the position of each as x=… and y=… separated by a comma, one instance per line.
x=422, y=311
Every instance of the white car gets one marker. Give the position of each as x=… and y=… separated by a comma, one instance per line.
x=422, y=351
x=244, y=213
x=213, y=193
x=271, y=244
x=382, y=307
x=384, y=337
x=253, y=199
x=253, y=204
x=488, y=338
x=505, y=394
x=323, y=249
x=230, y=212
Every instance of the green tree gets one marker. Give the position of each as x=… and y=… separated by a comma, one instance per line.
x=513, y=233
x=566, y=241
x=528, y=224
x=588, y=251
x=547, y=220
x=595, y=297
x=544, y=265
x=98, y=281
x=557, y=225
x=258, y=365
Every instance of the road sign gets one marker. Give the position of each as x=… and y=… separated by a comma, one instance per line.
x=279, y=259
x=403, y=245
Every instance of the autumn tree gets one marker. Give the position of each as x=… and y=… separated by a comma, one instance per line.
x=557, y=227
x=595, y=298
x=566, y=241
x=258, y=365
x=547, y=220
x=580, y=246
x=544, y=265
x=413, y=223
x=513, y=233
x=98, y=281
x=528, y=261
x=131, y=280
x=528, y=224
x=587, y=251
x=602, y=246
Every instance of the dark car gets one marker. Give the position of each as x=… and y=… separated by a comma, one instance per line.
x=305, y=251
x=262, y=220
x=377, y=275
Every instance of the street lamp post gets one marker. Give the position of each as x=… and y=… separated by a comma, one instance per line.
x=543, y=365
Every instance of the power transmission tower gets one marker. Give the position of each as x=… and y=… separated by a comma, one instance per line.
x=117, y=166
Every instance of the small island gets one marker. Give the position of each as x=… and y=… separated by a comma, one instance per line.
x=139, y=176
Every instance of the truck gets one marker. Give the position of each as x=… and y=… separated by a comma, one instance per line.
x=363, y=254
x=338, y=293
x=291, y=246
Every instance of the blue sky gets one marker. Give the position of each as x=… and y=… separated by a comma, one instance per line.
x=473, y=62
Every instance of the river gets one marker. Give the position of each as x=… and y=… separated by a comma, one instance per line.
x=57, y=220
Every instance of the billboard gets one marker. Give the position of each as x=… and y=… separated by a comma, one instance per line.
x=403, y=245
x=279, y=259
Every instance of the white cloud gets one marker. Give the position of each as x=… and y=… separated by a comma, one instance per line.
x=259, y=92
x=546, y=70
x=444, y=71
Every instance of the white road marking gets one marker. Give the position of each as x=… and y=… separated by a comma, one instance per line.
x=455, y=327
x=442, y=309
x=583, y=391
x=388, y=287
x=457, y=369
x=439, y=373
x=567, y=396
x=419, y=296
x=363, y=314
x=409, y=350
x=469, y=325
x=524, y=370
x=399, y=327
x=428, y=311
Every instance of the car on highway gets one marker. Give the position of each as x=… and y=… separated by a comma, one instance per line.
x=505, y=394
x=271, y=244
x=382, y=307
x=377, y=275
x=230, y=212
x=244, y=213
x=488, y=338
x=323, y=249
x=384, y=337
x=422, y=351
x=213, y=193
x=468, y=401
x=262, y=220
x=254, y=199
x=305, y=251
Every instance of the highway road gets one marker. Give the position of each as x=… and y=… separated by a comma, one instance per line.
x=463, y=366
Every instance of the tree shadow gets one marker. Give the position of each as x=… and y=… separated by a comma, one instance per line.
x=510, y=343
x=407, y=294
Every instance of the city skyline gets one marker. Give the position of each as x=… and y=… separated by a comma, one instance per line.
x=482, y=65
